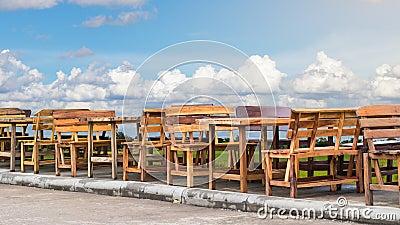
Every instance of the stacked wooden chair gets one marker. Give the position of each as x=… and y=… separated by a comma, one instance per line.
x=187, y=155
x=312, y=124
x=72, y=142
x=148, y=154
x=381, y=127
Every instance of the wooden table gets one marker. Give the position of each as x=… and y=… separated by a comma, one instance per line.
x=113, y=121
x=241, y=123
x=13, y=122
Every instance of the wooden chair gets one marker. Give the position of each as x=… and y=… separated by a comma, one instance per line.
x=6, y=131
x=143, y=156
x=276, y=142
x=313, y=124
x=68, y=123
x=187, y=139
x=380, y=123
x=40, y=150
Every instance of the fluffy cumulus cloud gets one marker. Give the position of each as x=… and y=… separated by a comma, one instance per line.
x=27, y=4
x=386, y=84
x=327, y=82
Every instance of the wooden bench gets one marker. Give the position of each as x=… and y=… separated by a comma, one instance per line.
x=380, y=122
x=143, y=156
x=187, y=139
x=312, y=124
x=40, y=150
x=68, y=123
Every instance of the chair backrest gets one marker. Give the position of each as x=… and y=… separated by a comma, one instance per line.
x=69, y=122
x=313, y=124
x=182, y=120
x=263, y=111
x=44, y=121
x=380, y=122
x=12, y=113
x=151, y=125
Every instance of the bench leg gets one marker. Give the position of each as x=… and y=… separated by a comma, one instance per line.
x=367, y=180
x=293, y=177
x=359, y=173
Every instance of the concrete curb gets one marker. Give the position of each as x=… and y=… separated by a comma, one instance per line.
x=286, y=207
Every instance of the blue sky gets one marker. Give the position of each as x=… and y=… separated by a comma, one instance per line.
x=59, y=35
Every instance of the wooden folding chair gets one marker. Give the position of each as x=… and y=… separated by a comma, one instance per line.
x=381, y=128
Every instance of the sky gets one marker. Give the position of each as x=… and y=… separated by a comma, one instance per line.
x=96, y=53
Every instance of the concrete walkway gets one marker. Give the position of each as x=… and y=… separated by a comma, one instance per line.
x=349, y=207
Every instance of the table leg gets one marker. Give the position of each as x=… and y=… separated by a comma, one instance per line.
x=211, y=158
x=13, y=146
x=243, y=159
x=114, y=150
x=90, y=149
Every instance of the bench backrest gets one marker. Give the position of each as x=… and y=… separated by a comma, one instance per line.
x=379, y=121
x=263, y=111
x=69, y=122
x=313, y=124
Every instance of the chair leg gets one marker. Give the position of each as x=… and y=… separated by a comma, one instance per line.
x=73, y=160
x=268, y=174
x=367, y=180
x=169, y=164
x=142, y=155
x=35, y=158
x=189, y=167
x=125, y=162
x=293, y=177
x=58, y=159
x=333, y=171
x=398, y=175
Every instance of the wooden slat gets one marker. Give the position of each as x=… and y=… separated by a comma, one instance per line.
x=379, y=110
x=199, y=110
x=83, y=114
x=380, y=122
x=382, y=133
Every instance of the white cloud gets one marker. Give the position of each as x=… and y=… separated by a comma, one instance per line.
x=129, y=3
x=84, y=51
x=386, y=83
x=123, y=19
x=27, y=4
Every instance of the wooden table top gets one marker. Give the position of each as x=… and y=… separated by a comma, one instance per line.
x=323, y=110
x=17, y=120
x=245, y=121
x=118, y=119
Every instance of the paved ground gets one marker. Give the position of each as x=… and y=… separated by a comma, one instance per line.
x=26, y=205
